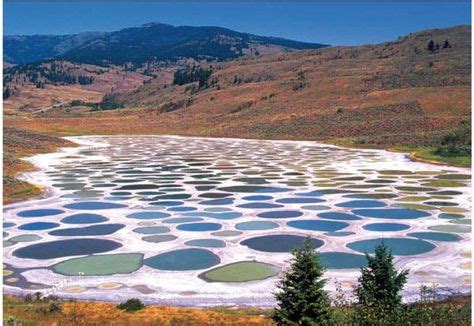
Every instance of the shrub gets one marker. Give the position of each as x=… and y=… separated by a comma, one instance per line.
x=38, y=296
x=28, y=297
x=133, y=304
x=110, y=102
x=456, y=143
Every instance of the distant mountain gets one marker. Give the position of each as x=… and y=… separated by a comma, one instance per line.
x=150, y=42
x=21, y=49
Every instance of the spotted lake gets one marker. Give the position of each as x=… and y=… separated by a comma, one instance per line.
x=202, y=221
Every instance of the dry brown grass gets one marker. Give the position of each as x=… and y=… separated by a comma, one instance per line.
x=17, y=144
x=100, y=313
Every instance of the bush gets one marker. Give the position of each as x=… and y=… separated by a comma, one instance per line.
x=130, y=305
x=28, y=297
x=110, y=102
x=456, y=143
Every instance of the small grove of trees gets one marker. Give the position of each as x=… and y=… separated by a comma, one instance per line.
x=110, y=102
x=40, y=74
x=302, y=299
x=457, y=142
x=93, y=105
x=432, y=46
x=194, y=74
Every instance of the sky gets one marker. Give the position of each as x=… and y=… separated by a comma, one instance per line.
x=335, y=23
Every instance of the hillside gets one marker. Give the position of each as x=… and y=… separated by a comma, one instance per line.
x=394, y=93
x=150, y=42
x=37, y=87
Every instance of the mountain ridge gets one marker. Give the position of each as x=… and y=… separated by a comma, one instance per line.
x=148, y=42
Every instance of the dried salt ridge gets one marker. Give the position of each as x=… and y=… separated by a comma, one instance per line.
x=203, y=221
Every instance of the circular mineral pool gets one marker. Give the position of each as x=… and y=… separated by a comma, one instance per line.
x=435, y=236
x=226, y=233
x=243, y=271
x=148, y=215
x=101, y=229
x=183, y=260
x=219, y=216
x=386, y=227
x=210, y=243
x=279, y=242
x=64, y=248
x=318, y=225
x=361, y=203
x=199, y=227
x=450, y=216
x=40, y=212
x=93, y=205
x=280, y=214
x=451, y=228
x=371, y=196
x=167, y=203
x=157, y=238
x=398, y=246
x=391, y=213
x=338, y=216
x=214, y=195
x=38, y=226
x=339, y=233
x=342, y=260
x=25, y=238
x=177, y=220
x=258, y=205
x=217, y=202
x=254, y=189
x=255, y=225
x=99, y=265
x=314, y=193
x=299, y=200
x=84, y=218
x=181, y=209
x=152, y=230
x=257, y=198
x=316, y=207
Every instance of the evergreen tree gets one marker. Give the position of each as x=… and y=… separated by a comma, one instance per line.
x=380, y=284
x=302, y=299
x=446, y=44
x=6, y=93
x=431, y=46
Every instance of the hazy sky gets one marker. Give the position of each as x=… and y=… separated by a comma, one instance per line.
x=337, y=23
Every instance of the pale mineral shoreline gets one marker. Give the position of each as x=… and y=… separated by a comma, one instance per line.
x=185, y=289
